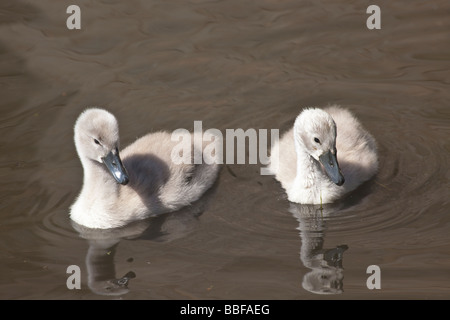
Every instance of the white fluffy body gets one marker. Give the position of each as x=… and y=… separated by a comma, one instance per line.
x=294, y=159
x=156, y=184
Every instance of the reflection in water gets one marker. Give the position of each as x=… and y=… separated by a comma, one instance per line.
x=101, y=269
x=103, y=243
x=327, y=274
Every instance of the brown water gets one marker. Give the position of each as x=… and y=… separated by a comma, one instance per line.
x=231, y=64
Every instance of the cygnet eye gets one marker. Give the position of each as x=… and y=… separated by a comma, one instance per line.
x=317, y=140
x=96, y=141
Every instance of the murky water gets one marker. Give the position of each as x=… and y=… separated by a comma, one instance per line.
x=231, y=64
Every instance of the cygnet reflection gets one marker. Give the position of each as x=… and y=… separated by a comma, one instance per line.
x=327, y=273
x=326, y=264
x=100, y=264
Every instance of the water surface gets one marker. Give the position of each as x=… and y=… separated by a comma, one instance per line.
x=231, y=64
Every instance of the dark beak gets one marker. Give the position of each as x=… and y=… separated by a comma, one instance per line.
x=115, y=166
x=331, y=166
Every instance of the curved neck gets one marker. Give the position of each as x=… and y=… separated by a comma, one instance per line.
x=97, y=179
x=306, y=187
x=306, y=167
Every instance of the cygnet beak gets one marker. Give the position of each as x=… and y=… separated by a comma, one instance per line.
x=331, y=166
x=115, y=166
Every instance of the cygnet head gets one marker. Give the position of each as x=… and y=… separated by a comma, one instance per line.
x=315, y=134
x=97, y=139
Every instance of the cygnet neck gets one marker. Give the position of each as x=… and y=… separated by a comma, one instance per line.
x=306, y=184
x=97, y=178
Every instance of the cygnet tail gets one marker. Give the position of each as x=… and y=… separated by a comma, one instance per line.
x=205, y=174
x=191, y=181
